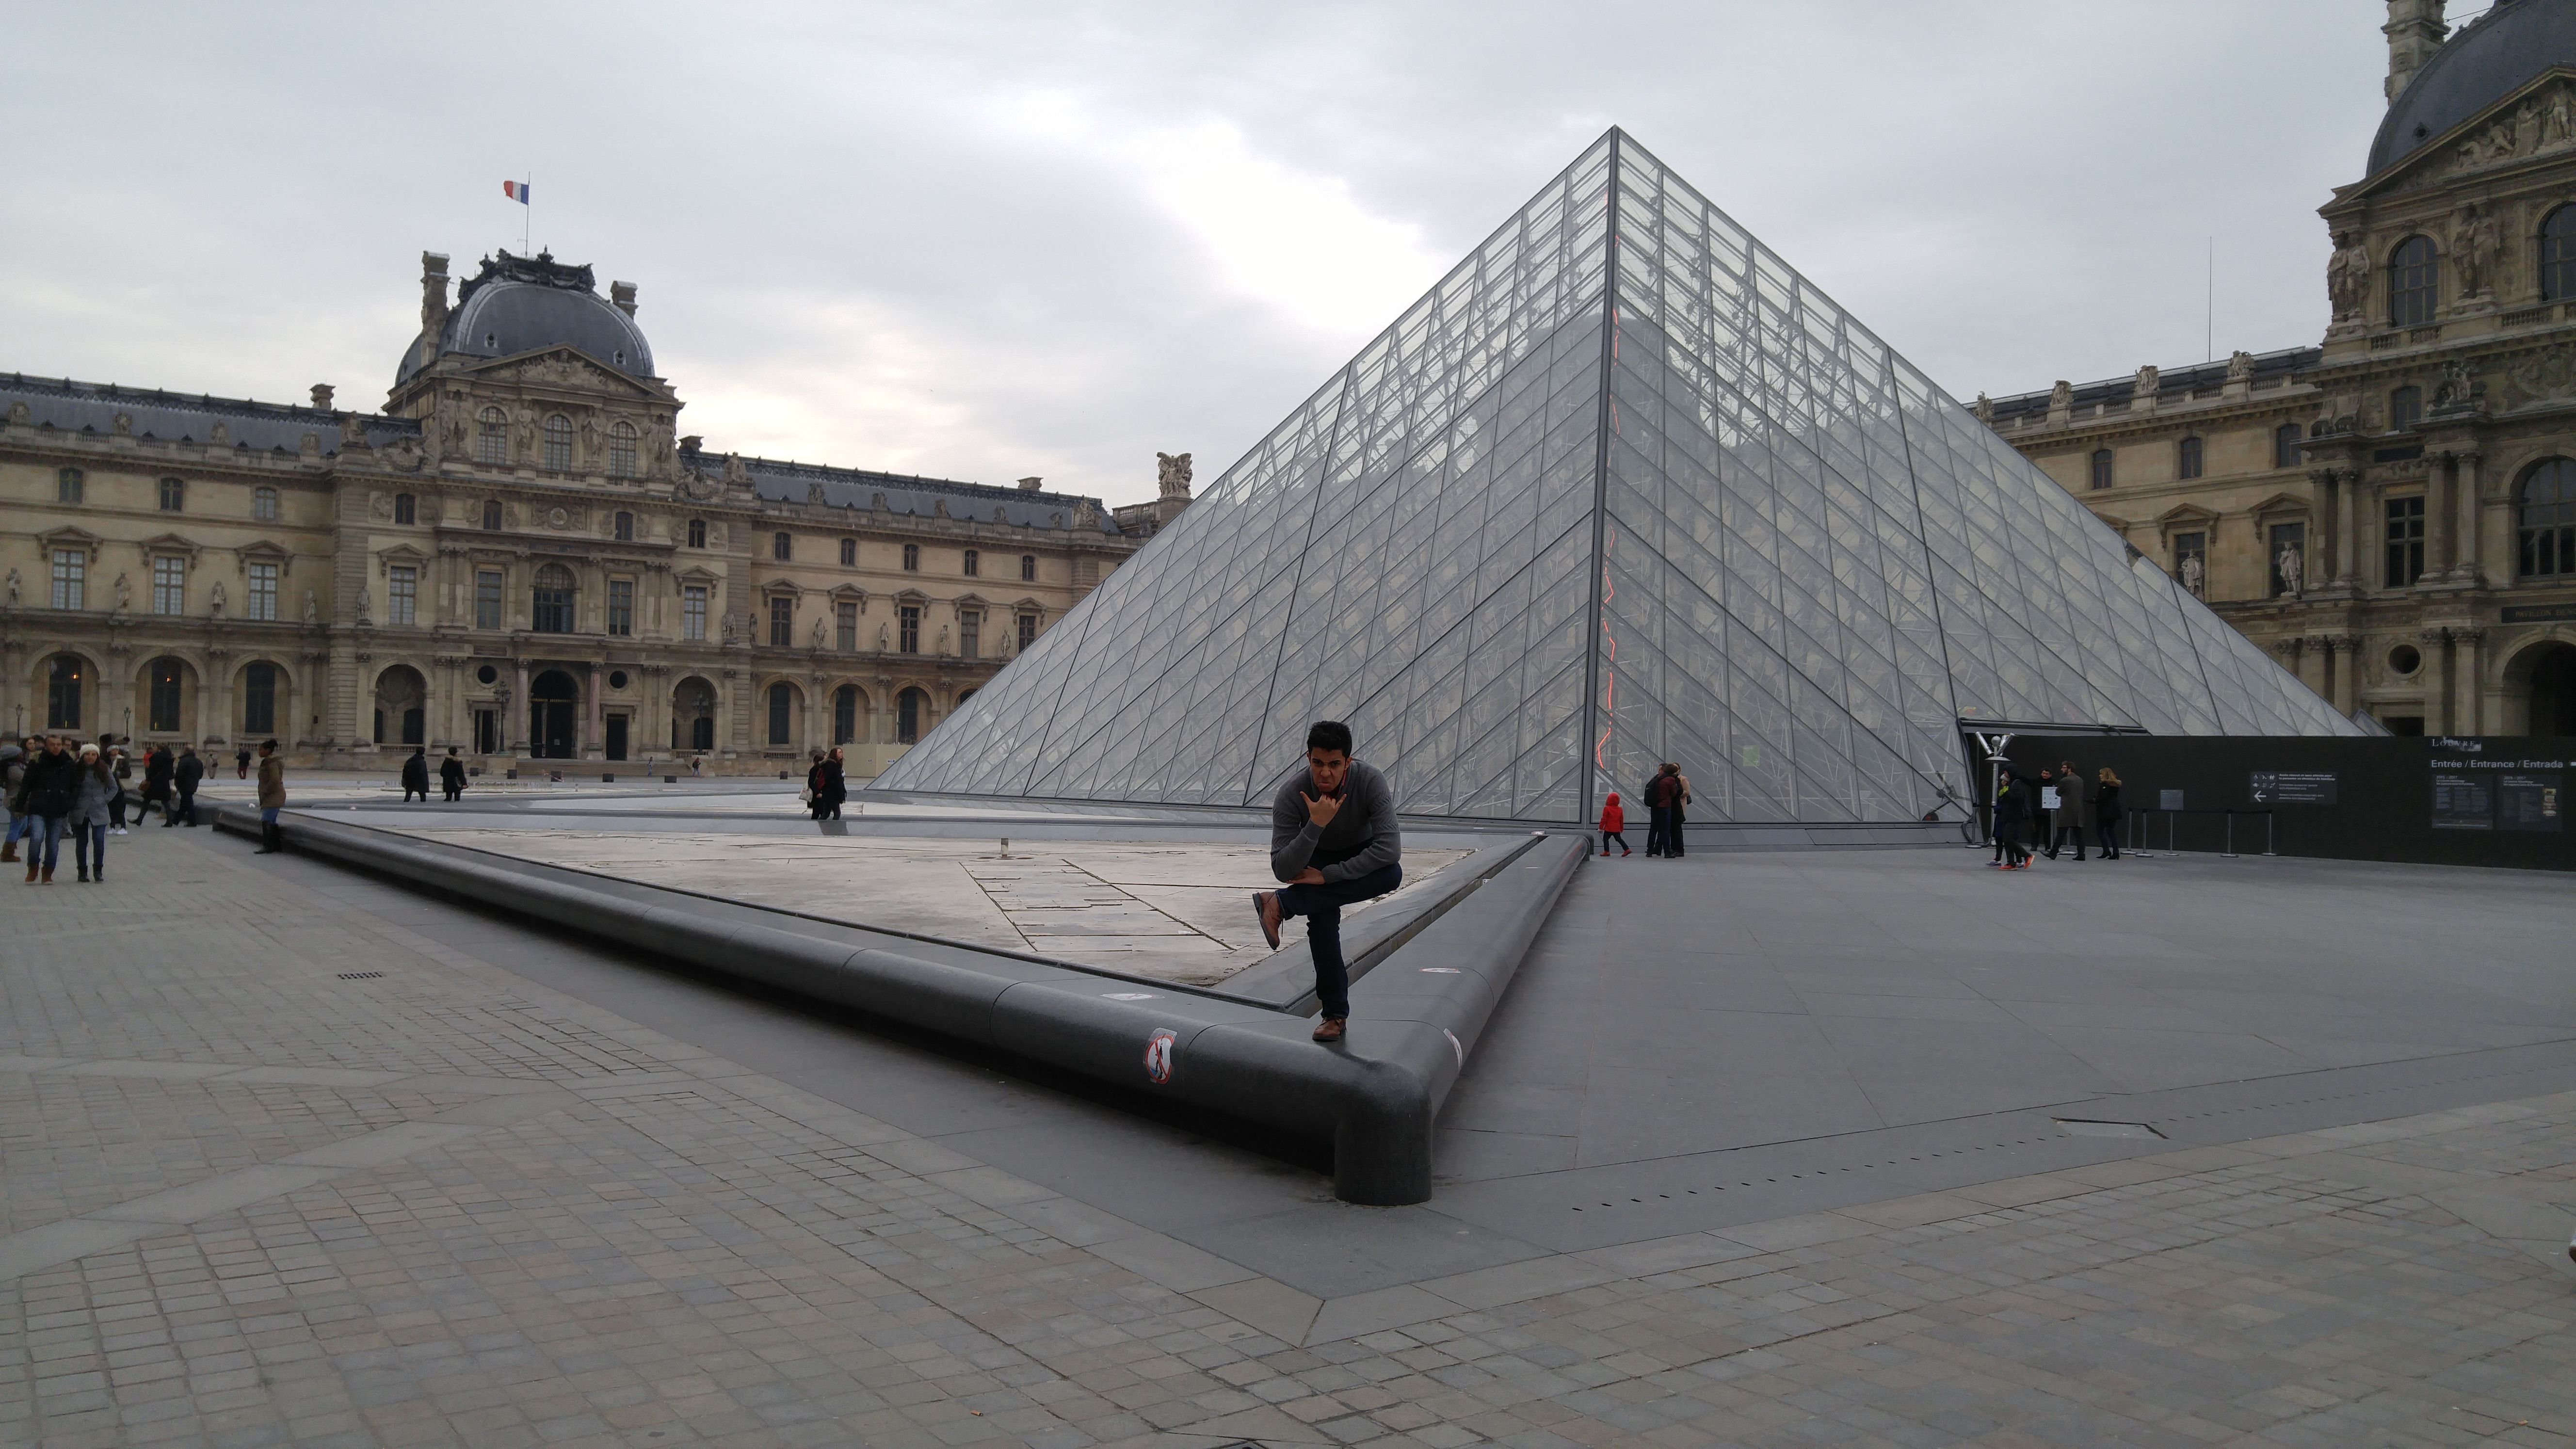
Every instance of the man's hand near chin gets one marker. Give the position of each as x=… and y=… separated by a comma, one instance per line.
x=1320, y=810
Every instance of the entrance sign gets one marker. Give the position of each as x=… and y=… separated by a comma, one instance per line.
x=2279, y=787
x=2528, y=802
x=2462, y=802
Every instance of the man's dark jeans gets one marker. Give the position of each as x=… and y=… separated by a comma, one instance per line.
x=1321, y=905
x=187, y=806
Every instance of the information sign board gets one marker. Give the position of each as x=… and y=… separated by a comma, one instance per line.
x=2284, y=787
x=2528, y=802
x=2462, y=802
x=2169, y=799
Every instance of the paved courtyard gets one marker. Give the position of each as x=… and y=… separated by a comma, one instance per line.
x=288, y=1155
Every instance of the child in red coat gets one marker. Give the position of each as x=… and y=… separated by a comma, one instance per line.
x=1613, y=821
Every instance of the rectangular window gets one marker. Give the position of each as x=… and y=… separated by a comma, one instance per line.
x=974, y=563
x=2405, y=541
x=1028, y=630
x=1028, y=568
x=909, y=627
x=70, y=568
x=782, y=546
x=2285, y=446
x=621, y=607
x=970, y=633
x=693, y=612
x=625, y=528
x=912, y=558
x=406, y=509
x=263, y=504
x=263, y=591
x=2187, y=457
x=169, y=586
x=487, y=599
x=2102, y=468
x=173, y=495
x=697, y=533
x=782, y=621
x=402, y=594
x=2405, y=408
x=2290, y=544
x=849, y=553
x=67, y=485
x=845, y=625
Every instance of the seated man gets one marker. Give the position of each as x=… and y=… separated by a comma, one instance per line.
x=1333, y=839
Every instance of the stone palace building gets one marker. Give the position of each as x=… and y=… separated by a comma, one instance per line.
x=2392, y=512
x=519, y=555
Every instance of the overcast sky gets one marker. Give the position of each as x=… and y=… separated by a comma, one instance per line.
x=983, y=241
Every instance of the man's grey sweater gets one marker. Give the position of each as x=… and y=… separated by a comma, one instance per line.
x=1361, y=838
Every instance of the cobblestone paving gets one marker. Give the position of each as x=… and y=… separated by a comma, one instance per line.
x=248, y=1202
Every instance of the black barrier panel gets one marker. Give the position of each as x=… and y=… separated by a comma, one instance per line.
x=2474, y=800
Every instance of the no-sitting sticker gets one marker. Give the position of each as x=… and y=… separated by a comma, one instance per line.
x=1158, y=1054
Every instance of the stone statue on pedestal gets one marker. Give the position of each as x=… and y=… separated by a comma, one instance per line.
x=2290, y=565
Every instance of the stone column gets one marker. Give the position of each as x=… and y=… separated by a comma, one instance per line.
x=216, y=728
x=2465, y=681
x=2436, y=644
x=2468, y=554
x=2348, y=530
x=818, y=714
x=2344, y=651
x=593, y=730
x=2441, y=485
x=2308, y=658
x=514, y=715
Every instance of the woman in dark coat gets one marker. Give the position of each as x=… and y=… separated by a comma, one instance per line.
x=2014, y=796
x=415, y=775
x=831, y=786
x=157, y=767
x=2107, y=813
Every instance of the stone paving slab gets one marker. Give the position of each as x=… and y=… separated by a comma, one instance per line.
x=635, y=1241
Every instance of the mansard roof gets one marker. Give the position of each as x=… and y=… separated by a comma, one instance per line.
x=915, y=496
x=2173, y=384
x=170, y=417
x=2489, y=59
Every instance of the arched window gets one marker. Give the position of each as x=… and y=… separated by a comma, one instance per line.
x=845, y=714
x=912, y=558
x=558, y=455
x=621, y=450
x=908, y=709
x=2187, y=458
x=263, y=504
x=697, y=533
x=406, y=509
x=2412, y=272
x=2285, y=446
x=2558, y=255
x=174, y=495
x=63, y=692
x=2101, y=467
x=552, y=613
x=782, y=713
x=2547, y=504
x=974, y=563
x=492, y=514
x=492, y=438
x=782, y=546
x=2405, y=408
x=849, y=553
x=162, y=714
x=259, y=699
x=67, y=485
x=625, y=527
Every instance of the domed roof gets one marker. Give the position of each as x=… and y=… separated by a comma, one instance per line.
x=520, y=304
x=2494, y=56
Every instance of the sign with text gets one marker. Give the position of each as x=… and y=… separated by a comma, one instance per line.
x=2527, y=802
x=2462, y=802
x=2287, y=787
x=2169, y=799
x=2538, y=613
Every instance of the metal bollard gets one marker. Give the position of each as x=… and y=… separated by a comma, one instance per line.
x=2228, y=852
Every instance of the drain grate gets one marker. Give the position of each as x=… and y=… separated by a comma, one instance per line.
x=1822, y=1172
x=360, y=975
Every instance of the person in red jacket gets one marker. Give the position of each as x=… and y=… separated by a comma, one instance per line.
x=1613, y=821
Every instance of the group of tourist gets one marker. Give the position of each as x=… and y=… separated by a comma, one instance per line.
x=827, y=785
x=2044, y=813
x=1667, y=797
x=56, y=785
x=415, y=775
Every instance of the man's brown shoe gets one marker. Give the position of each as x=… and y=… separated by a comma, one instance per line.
x=10, y=853
x=1329, y=1029
x=1265, y=904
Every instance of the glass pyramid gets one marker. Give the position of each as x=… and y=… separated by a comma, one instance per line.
x=1622, y=488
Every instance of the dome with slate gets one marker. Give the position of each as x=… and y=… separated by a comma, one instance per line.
x=520, y=304
x=2489, y=59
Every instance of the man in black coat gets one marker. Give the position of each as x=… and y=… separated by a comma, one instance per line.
x=51, y=784
x=185, y=776
x=415, y=775
x=451, y=775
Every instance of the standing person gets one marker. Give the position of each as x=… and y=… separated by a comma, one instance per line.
x=833, y=785
x=184, y=778
x=2070, y=811
x=120, y=769
x=51, y=784
x=1659, y=813
x=272, y=798
x=1614, y=825
x=241, y=757
x=2015, y=795
x=2107, y=813
x=697, y=766
x=1333, y=840
x=451, y=775
x=97, y=786
x=1680, y=795
x=812, y=794
x=13, y=772
x=157, y=769
x=415, y=775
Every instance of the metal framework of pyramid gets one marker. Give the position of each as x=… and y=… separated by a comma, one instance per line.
x=1622, y=488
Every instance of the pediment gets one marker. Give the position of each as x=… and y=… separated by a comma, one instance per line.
x=973, y=601
x=2537, y=120
x=401, y=553
x=2280, y=503
x=169, y=544
x=850, y=593
x=69, y=536
x=564, y=368
x=2186, y=514
x=699, y=574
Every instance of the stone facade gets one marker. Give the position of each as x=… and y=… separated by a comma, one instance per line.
x=2378, y=511
x=518, y=556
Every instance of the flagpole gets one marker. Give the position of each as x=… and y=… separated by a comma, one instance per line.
x=527, y=211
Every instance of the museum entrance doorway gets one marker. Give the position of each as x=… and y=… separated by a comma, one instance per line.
x=553, y=700
x=616, y=745
x=2553, y=691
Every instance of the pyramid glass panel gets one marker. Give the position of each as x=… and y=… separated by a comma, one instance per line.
x=1622, y=488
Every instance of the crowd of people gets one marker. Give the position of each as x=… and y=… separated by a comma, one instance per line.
x=56, y=785
x=2044, y=813
x=1667, y=798
x=827, y=784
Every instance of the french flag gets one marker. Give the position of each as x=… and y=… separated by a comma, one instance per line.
x=515, y=190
